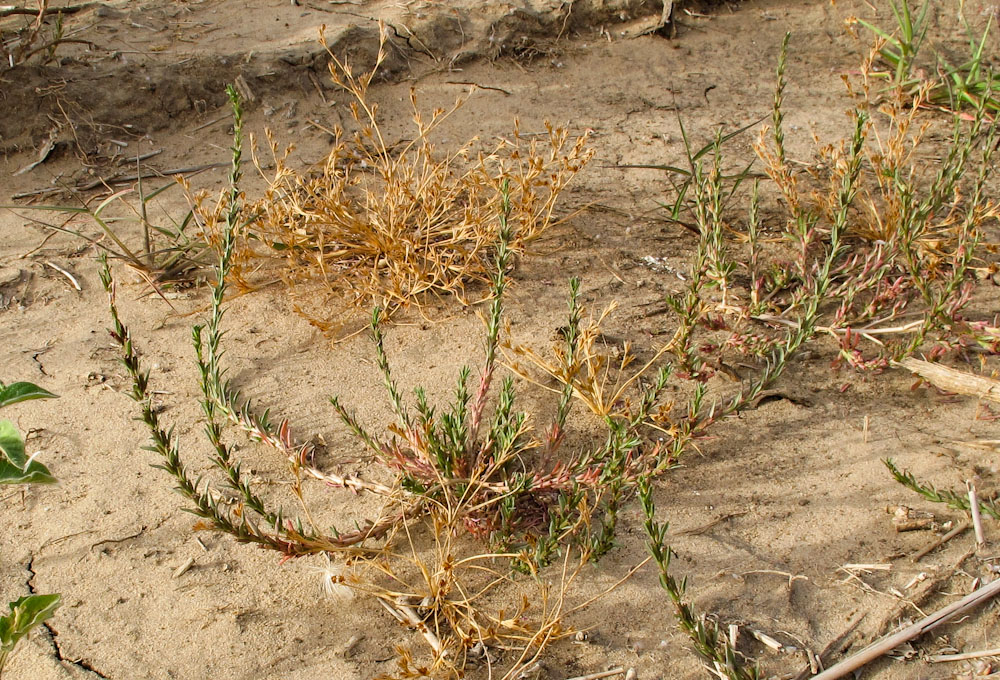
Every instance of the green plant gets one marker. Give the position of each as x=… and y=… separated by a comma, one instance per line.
x=868, y=240
x=682, y=179
x=713, y=646
x=19, y=45
x=969, y=84
x=469, y=485
x=475, y=501
x=169, y=253
x=25, y=613
x=953, y=500
x=16, y=468
x=873, y=251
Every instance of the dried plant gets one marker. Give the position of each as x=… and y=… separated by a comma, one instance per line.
x=473, y=490
x=383, y=223
x=33, y=36
x=477, y=500
x=871, y=249
x=598, y=372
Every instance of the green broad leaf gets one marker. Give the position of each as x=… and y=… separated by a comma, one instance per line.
x=22, y=391
x=25, y=613
x=35, y=473
x=11, y=445
x=15, y=467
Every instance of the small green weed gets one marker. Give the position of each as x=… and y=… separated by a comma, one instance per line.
x=16, y=468
x=168, y=253
x=25, y=613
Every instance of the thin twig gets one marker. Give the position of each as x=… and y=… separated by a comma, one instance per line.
x=8, y=11
x=940, y=658
x=603, y=674
x=925, y=625
x=891, y=330
x=212, y=122
x=72, y=279
x=481, y=87
x=124, y=178
x=977, y=520
x=941, y=541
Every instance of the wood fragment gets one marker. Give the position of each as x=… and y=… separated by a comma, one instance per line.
x=977, y=520
x=925, y=625
x=477, y=85
x=212, y=122
x=912, y=524
x=351, y=644
x=813, y=661
x=951, y=380
x=405, y=614
x=141, y=157
x=72, y=279
x=766, y=639
x=942, y=658
x=319, y=88
x=244, y=89
x=603, y=674
x=181, y=570
x=867, y=567
x=666, y=25
x=10, y=10
x=941, y=541
x=43, y=154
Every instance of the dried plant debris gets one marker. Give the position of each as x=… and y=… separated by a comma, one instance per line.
x=390, y=223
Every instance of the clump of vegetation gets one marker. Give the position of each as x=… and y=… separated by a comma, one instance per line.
x=16, y=468
x=947, y=86
x=879, y=250
x=382, y=223
x=169, y=253
x=476, y=500
x=469, y=487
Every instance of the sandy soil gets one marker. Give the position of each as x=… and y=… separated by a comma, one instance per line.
x=763, y=520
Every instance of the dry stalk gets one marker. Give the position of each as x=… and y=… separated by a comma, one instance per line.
x=386, y=224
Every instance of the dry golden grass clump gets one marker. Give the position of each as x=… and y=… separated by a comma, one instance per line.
x=385, y=223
